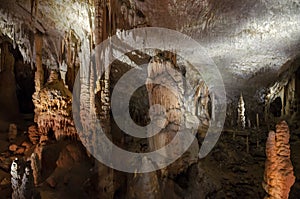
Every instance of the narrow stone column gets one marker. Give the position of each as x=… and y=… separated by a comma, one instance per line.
x=39, y=74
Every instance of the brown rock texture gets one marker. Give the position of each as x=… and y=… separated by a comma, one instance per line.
x=8, y=101
x=53, y=110
x=34, y=134
x=279, y=175
x=201, y=103
x=144, y=185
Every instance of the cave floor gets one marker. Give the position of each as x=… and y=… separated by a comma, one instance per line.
x=229, y=171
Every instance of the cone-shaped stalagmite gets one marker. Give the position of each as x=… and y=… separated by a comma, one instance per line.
x=279, y=174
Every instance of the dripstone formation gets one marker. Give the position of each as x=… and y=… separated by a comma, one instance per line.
x=279, y=175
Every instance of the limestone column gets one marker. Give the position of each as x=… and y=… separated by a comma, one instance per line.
x=105, y=174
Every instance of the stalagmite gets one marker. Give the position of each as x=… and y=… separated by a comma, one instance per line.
x=279, y=175
x=15, y=178
x=13, y=131
x=213, y=108
x=22, y=181
x=144, y=185
x=27, y=187
x=241, y=113
x=257, y=121
x=36, y=167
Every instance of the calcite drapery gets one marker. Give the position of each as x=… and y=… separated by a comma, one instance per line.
x=279, y=174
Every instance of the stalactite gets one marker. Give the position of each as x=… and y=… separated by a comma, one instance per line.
x=241, y=113
x=279, y=175
x=39, y=74
x=70, y=48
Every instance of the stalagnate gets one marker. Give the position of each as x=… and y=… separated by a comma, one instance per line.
x=163, y=86
x=279, y=175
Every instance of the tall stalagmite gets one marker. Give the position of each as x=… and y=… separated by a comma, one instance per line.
x=279, y=175
x=241, y=113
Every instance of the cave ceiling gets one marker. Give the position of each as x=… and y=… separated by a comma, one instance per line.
x=251, y=42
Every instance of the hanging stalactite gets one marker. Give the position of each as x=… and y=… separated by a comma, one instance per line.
x=39, y=74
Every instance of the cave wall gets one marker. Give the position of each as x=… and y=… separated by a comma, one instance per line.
x=8, y=86
x=282, y=100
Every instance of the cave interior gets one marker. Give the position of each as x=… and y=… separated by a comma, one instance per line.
x=59, y=85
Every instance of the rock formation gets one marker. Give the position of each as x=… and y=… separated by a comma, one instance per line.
x=144, y=185
x=12, y=132
x=33, y=134
x=53, y=109
x=36, y=166
x=165, y=88
x=201, y=100
x=22, y=181
x=15, y=178
x=241, y=113
x=8, y=101
x=279, y=175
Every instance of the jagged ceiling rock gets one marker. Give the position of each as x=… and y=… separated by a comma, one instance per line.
x=248, y=40
x=21, y=19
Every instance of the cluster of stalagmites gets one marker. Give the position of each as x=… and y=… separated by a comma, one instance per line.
x=279, y=175
x=22, y=181
x=53, y=108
